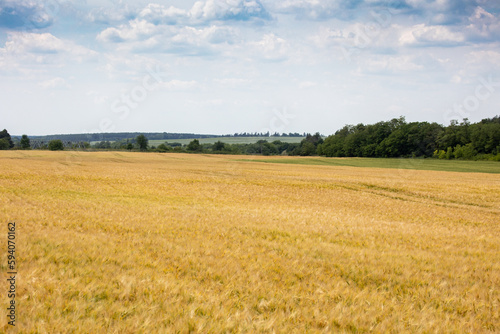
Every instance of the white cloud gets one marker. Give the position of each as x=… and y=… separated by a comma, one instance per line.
x=312, y=9
x=133, y=31
x=26, y=52
x=198, y=31
x=98, y=97
x=199, y=37
x=54, y=83
x=177, y=85
x=46, y=43
x=228, y=10
x=326, y=37
x=487, y=59
x=270, y=47
x=111, y=15
x=384, y=64
x=483, y=26
x=438, y=5
x=202, y=12
x=25, y=14
x=126, y=65
x=457, y=78
x=157, y=14
x=232, y=81
x=439, y=12
x=307, y=84
x=140, y=36
x=424, y=35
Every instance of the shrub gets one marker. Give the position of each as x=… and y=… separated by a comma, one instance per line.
x=440, y=154
x=218, y=146
x=469, y=152
x=56, y=145
x=194, y=146
x=142, y=141
x=449, y=153
x=163, y=148
x=458, y=152
x=25, y=142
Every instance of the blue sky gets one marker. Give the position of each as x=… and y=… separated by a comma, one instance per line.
x=225, y=66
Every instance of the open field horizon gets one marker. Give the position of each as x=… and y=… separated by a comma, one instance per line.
x=128, y=242
x=225, y=140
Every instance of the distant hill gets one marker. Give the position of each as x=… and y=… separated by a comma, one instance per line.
x=117, y=136
x=93, y=137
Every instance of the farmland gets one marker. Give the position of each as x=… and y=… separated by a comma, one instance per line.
x=417, y=164
x=123, y=242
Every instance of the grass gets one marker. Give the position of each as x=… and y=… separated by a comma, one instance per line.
x=417, y=164
x=228, y=140
x=121, y=242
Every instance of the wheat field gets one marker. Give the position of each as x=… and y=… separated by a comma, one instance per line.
x=115, y=242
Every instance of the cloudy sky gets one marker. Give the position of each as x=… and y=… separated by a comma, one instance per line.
x=225, y=66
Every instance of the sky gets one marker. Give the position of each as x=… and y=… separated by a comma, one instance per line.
x=227, y=66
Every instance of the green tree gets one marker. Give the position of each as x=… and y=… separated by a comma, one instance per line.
x=458, y=152
x=103, y=145
x=309, y=145
x=194, y=146
x=441, y=154
x=485, y=136
x=465, y=152
x=25, y=142
x=267, y=148
x=130, y=146
x=178, y=149
x=283, y=147
x=218, y=146
x=307, y=148
x=163, y=148
x=142, y=141
x=449, y=153
x=4, y=134
x=56, y=145
x=4, y=144
x=454, y=134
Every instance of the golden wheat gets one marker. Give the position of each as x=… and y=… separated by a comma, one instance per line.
x=147, y=243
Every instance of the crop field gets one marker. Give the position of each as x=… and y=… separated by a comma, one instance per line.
x=112, y=242
x=417, y=164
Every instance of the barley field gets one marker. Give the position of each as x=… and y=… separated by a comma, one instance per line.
x=111, y=242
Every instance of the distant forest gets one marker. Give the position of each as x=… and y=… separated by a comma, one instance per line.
x=111, y=137
x=390, y=139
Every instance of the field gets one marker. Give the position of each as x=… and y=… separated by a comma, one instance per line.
x=417, y=164
x=112, y=242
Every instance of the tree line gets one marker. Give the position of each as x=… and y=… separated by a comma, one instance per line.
x=397, y=138
x=389, y=139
